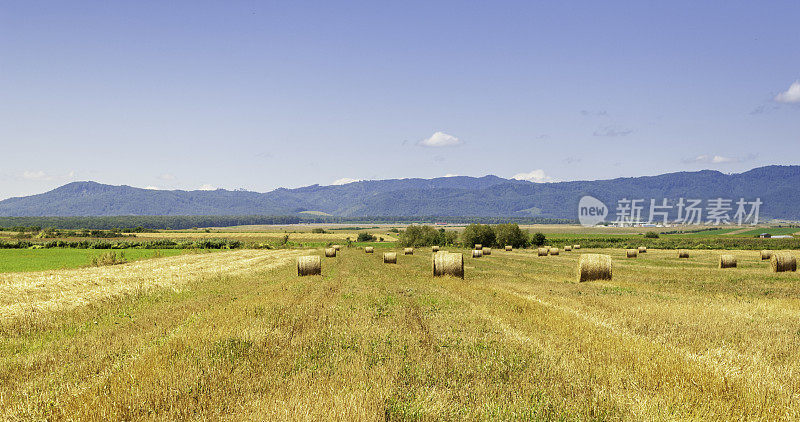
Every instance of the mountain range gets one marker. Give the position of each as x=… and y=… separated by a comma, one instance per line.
x=778, y=187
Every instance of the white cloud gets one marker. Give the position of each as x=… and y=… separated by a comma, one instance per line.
x=792, y=95
x=344, y=181
x=450, y=175
x=440, y=139
x=152, y=187
x=535, y=176
x=206, y=186
x=36, y=175
x=167, y=176
x=718, y=159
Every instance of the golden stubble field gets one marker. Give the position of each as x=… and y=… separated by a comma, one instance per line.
x=667, y=339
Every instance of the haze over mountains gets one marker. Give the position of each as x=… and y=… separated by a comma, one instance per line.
x=777, y=186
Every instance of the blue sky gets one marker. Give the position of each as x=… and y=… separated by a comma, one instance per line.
x=260, y=95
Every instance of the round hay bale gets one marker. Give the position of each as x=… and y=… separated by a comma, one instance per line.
x=369, y=249
x=486, y=251
x=632, y=253
x=509, y=248
x=309, y=265
x=445, y=263
x=477, y=253
x=408, y=251
x=553, y=251
x=435, y=249
x=593, y=266
x=337, y=247
x=727, y=261
x=542, y=251
x=683, y=253
x=568, y=248
x=330, y=252
x=642, y=249
x=478, y=247
x=576, y=246
x=765, y=255
x=390, y=258
x=783, y=261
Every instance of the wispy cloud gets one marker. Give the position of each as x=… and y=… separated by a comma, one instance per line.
x=535, y=176
x=791, y=95
x=152, y=187
x=167, y=176
x=440, y=139
x=206, y=186
x=611, y=131
x=37, y=175
x=597, y=113
x=718, y=159
x=344, y=181
x=451, y=175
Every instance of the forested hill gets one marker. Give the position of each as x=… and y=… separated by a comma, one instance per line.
x=777, y=186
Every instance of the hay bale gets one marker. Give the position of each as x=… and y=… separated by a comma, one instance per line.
x=445, y=263
x=632, y=253
x=369, y=249
x=408, y=251
x=568, y=248
x=593, y=266
x=542, y=251
x=330, y=252
x=390, y=258
x=337, y=247
x=783, y=261
x=553, y=251
x=477, y=253
x=435, y=249
x=683, y=253
x=486, y=251
x=509, y=248
x=309, y=265
x=642, y=249
x=478, y=247
x=765, y=255
x=576, y=246
x=727, y=261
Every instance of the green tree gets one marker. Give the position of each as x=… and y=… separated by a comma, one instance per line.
x=478, y=234
x=365, y=237
x=510, y=234
x=538, y=239
x=415, y=236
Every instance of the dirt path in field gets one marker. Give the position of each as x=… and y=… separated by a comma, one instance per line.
x=31, y=293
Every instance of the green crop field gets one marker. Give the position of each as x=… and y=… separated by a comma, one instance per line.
x=12, y=260
x=238, y=335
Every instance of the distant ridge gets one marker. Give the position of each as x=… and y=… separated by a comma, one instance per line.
x=489, y=196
